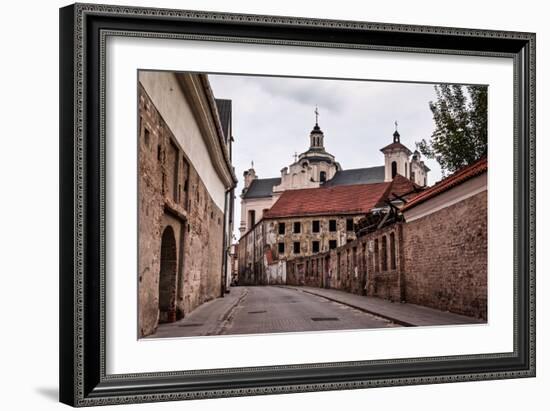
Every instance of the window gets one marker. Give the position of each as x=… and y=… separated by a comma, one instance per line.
x=349, y=224
x=146, y=136
x=406, y=169
x=412, y=176
x=282, y=228
x=392, y=251
x=332, y=244
x=323, y=176
x=281, y=247
x=393, y=169
x=332, y=225
x=296, y=246
x=315, y=226
x=315, y=246
x=159, y=152
x=364, y=258
x=297, y=227
x=376, y=256
x=251, y=218
x=384, y=256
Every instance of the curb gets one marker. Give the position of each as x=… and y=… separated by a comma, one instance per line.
x=227, y=316
x=387, y=317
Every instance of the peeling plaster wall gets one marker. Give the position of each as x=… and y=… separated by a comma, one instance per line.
x=172, y=193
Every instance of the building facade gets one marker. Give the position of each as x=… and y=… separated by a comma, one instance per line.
x=431, y=251
x=316, y=168
x=314, y=206
x=185, y=196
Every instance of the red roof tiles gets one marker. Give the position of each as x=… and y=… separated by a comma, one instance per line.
x=338, y=200
x=459, y=177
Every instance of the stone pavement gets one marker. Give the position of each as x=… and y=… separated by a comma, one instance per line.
x=400, y=313
x=269, y=309
x=209, y=318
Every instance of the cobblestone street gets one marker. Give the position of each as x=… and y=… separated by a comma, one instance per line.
x=265, y=309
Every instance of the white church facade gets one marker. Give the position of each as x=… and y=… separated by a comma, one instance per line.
x=316, y=168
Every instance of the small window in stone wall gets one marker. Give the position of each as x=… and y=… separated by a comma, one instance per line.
x=364, y=257
x=332, y=225
x=392, y=251
x=296, y=247
x=281, y=248
x=315, y=226
x=159, y=152
x=282, y=228
x=349, y=224
x=146, y=136
x=332, y=244
x=315, y=246
x=384, y=256
x=323, y=176
x=376, y=256
x=297, y=227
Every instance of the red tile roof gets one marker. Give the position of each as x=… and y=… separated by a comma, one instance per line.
x=459, y=177
x=338, y=200
x=401, y=186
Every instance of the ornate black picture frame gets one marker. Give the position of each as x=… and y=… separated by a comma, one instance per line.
x=83, y=30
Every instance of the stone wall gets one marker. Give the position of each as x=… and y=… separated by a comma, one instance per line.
x=265, y=236
x=439, y=261
x=174, y=205
x=446, y=258
x=357, y=267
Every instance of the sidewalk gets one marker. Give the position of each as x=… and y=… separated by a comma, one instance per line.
x=207, y=319
x=408, y=315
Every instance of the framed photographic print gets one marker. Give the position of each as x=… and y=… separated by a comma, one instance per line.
x=261, y=204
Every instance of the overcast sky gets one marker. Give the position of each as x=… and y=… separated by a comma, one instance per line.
x=273, y=116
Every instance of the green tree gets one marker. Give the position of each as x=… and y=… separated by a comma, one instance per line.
x=460, y=135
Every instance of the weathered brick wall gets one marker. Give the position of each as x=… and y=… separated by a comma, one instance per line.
x=446, y=258
x=440, y=261
x=355, y=267
x=171, y=193
x=252, y=268
x=307, y=236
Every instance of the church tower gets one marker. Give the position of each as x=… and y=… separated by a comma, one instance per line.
x=311, y=168
x=396, y=158
x=316, y=136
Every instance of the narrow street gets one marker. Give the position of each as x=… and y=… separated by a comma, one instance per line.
x=269, y=309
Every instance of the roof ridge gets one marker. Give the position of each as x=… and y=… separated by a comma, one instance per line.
x=458, y=177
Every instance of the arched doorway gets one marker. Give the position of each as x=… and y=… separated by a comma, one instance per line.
x=167, y=277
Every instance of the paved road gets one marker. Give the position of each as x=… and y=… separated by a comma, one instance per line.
x=269, y=309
